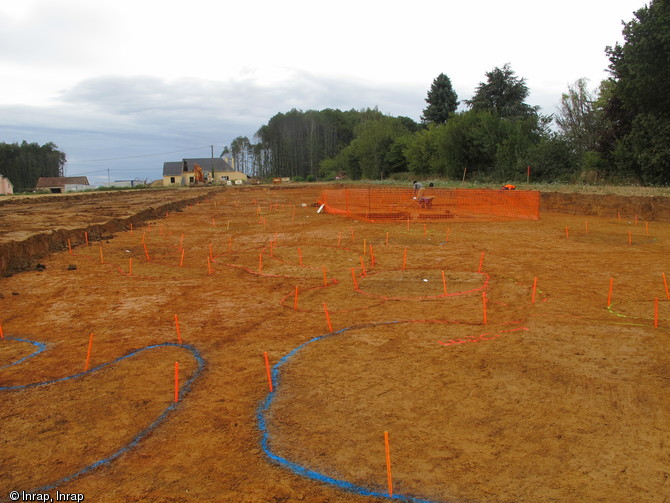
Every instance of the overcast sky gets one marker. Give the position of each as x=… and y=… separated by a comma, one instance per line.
x=165, y=80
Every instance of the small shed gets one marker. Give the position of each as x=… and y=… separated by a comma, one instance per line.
x=6, y=186
x=60, y=184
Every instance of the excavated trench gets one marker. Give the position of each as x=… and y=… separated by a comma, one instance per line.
x=33, y=227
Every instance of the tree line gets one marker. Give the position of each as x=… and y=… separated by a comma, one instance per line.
x=24, y=164
x=619, y=131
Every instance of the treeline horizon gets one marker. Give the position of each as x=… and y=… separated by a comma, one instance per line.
x=24, y=164
x=618, y=132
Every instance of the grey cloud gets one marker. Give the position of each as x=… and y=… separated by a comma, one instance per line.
x=112, y=117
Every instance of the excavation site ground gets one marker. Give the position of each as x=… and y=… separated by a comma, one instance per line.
x=509, y=361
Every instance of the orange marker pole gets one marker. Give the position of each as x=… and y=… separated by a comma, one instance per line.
x=656, y=312
x=365, y=247
x=131, y=228
x=387, y=239
x=353, y=277
x=101, y=259
x=609, y=295
x=176, y=325
x=86, y=237
x=484, y=305
x=176, y=382
x=372, y=257
x=130, y=266
x=88, y=353
x=389, y=477
x=532, y=300
x=69, y=246
x=295, y=300
x=567, y=234
x=586, y=225
x=146, y=252
x=404, y=259
x=2, y=334
x=181, y=261
x=299, y=256
x=267, y=370
x=260, y=262
x=209, y=265
x=618, y=215
x=325, y=309
x=444, y=284
x=352, y=233
x=447, y=236
x=325, y=276
x=481, y=262
x=425, y=232
x=665, y=283
x=363, y=267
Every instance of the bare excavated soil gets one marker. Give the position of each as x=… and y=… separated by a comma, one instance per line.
x=508, y=362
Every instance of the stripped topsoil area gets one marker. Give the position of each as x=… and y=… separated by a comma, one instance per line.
x=31, y=227
x=490, y=352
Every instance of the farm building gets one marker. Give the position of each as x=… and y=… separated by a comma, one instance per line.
x=6, y=186
x=181, y=172
x=60, y=184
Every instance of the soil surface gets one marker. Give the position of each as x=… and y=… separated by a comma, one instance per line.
x=508, y=362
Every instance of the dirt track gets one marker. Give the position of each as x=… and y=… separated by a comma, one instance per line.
x=562, y=399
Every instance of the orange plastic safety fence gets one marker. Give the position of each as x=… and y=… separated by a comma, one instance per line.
x=383, y=205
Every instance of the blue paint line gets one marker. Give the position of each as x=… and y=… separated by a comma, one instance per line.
x=303, y=471
x=94, y=369
x=185, y=389
x=40, y=347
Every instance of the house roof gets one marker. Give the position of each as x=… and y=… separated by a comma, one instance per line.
x=172, y=168
x=176, y=168
x=60, y=181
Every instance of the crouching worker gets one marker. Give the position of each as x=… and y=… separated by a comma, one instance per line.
x=420, y=197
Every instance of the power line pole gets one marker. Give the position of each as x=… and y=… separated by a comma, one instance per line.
x=212, y=163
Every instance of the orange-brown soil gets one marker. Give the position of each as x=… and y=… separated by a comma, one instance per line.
x=491, y=390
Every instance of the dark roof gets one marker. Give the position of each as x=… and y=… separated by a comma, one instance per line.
x=176, y=168
x=60, y=181
x=172, y=168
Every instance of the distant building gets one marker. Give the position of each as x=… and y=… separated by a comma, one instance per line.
x=125, y=183
x=6, y=186
x=60, y=184
x=181, y=172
